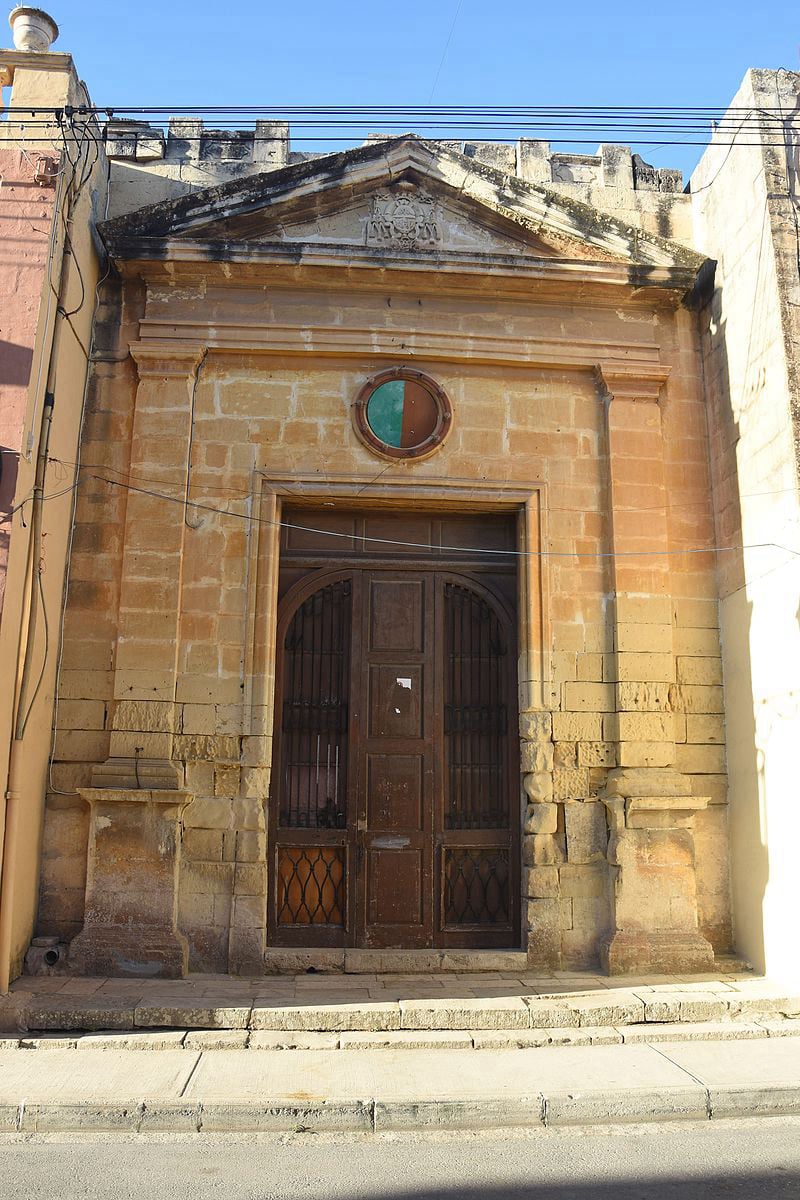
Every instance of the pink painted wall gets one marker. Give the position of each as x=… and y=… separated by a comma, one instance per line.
x=26, y=211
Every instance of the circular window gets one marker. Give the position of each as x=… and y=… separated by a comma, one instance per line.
x=401, y=413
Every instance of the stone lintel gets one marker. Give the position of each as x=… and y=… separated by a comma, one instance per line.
x=662, y=812
x=651, y=782
x=119, y=795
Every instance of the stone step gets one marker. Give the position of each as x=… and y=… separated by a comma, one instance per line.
x=405, y=1039
x=326, y=1011
x=396, y=962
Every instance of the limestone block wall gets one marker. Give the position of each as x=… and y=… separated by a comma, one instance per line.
x=635, y=685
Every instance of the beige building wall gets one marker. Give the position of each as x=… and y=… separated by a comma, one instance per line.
x=58, y=362
x=272, y=416
x=744, y=201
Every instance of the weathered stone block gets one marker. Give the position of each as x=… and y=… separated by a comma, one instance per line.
x=696, y=698
x=226, y=780
x=699, y=671
x=565, y=754
x=540, y=850
x=584, y=880
x=570, y=784
x=644, y=697
x=538, y=786
x=587, y=832
x=542, y=818
x=251, y=846
x=589, y=697
x=204, y=746
x=596, y=754
x=544, y=939
x=649, y=668
x=149, y=716
x=651, y=638
x=577, y=727
x=646, y=754
x=536, y=756
x=540, y=882
x=255, y=782
x=535, y=726
x=208, y=813
x=203, y=844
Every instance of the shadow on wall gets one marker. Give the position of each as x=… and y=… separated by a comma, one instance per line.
x=15, y=364
x=749, y=853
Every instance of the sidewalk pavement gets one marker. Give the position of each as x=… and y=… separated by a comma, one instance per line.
x=371, y=1091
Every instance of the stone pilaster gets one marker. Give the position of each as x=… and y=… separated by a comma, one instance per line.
x=540, y=848
x=655, y=891
x=143, y=724
x=132, y=885
x=650, y=805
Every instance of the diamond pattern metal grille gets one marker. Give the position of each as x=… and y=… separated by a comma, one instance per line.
x=311, y=885
x=476, y=887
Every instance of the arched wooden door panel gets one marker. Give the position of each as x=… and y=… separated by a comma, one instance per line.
x=310, y=827
x=478, y=859
x=394, y=810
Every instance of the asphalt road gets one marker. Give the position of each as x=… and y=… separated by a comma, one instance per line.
x=737, y=1160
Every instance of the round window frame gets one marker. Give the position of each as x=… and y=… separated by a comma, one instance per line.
x=425, y=448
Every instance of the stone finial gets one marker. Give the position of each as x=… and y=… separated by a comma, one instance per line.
x=32, y=28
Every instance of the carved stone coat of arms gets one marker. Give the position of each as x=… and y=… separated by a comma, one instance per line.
x=404, y=221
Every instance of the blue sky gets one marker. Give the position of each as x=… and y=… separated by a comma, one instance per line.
x=242, y=52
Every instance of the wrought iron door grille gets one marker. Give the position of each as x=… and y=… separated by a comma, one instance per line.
x=311, y=885
x=475, y=714
x=476, y=887
x=313, y=773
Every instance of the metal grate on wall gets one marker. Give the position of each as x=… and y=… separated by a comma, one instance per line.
x=476, y=713
x=316, y=689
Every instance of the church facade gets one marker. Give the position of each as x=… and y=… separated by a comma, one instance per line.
x=392, y=620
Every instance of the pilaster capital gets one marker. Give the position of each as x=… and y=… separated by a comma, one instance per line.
x=167, y=360
x=631, y=381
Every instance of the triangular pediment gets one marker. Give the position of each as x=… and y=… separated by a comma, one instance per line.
x=394, y=198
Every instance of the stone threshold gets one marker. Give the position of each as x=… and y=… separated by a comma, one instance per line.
x=495, y=1039
x=392, y=962
x=320, y=1005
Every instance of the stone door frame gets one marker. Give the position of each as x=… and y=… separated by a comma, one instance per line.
x=528, y=501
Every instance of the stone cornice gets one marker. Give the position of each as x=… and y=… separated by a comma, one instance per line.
x=166, y=360
x=145, y=257
x=163, y=340
x=632, y=381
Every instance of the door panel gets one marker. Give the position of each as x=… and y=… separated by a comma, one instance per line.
x=394, y=791
x=396, y=760
x=396, y=614
x=395, y=700
x=394, y=884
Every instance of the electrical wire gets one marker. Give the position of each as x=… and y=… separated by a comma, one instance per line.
x=446, y=48
x=240, y=493
x=384, y=541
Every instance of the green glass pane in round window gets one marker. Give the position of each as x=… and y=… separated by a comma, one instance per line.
x=402, y=414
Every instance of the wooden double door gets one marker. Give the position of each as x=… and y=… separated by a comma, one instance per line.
x=394, y=814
